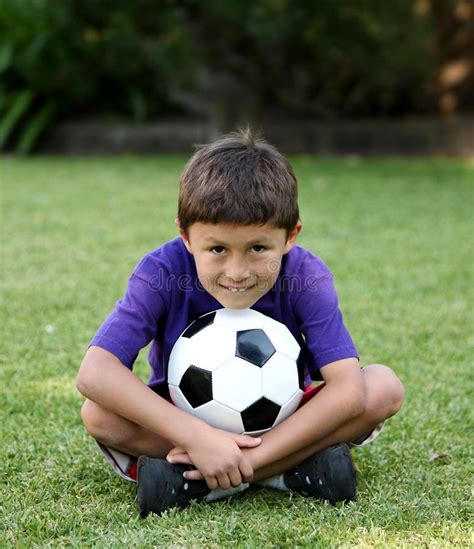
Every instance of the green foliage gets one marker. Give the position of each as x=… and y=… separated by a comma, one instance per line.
x=324, y=58
x=73, y=58
x=146, y=59
x=17, y=113
x=401, y=252
x=15, y=106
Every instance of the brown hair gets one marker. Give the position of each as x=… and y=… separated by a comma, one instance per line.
x=239, y=179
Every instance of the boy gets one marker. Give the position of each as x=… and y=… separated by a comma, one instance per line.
x=238, y=222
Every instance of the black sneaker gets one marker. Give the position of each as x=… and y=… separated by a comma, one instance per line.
x=161, y=486
x=328, y=475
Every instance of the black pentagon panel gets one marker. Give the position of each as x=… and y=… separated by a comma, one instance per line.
x=254, y=346
x=199, y=324
x=260, y=415
x=196, y=386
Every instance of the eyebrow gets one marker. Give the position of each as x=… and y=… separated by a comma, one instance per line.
x=214, y=240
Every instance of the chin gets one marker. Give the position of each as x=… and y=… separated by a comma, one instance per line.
x=237, y=306
x=234, y=307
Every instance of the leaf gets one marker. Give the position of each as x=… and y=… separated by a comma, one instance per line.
x=3, y=99
x=34, y=128
x=20, y=104
x=6, y=53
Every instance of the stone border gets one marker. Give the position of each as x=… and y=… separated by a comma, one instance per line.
x=416, y=136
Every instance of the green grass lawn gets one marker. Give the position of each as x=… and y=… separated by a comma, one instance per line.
x=397, y=234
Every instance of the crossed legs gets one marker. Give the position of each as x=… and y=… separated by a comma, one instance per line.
x=384, y=397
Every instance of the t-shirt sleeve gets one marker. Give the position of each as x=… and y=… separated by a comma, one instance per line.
x=321, y=323
x=133, y=323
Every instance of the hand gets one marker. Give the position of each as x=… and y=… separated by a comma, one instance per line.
x=217, y=456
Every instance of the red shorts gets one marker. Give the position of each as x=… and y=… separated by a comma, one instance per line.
x=309, y=393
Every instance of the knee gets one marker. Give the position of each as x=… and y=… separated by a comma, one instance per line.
x=386, y=392
x=96, y=420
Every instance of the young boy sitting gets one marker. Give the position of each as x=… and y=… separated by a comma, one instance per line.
x=238, y=222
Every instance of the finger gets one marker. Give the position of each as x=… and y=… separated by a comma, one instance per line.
x=224, y=481
x=246, y=471
x=176, y=450
x=212, y=483
x=193, y=475
x=235, y=478
x=179, y=458
x=244, y=441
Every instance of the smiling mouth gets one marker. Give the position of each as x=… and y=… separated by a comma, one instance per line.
x=235, y=289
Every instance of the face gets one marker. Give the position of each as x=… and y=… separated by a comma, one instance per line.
x=238, y=264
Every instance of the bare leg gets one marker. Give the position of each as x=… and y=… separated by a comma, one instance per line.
x=121, y=434
x=384, y=398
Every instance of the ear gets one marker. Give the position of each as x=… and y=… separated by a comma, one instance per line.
x=184, y=236
x=292, y=236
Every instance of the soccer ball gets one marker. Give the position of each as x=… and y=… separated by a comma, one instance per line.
x=237, y=370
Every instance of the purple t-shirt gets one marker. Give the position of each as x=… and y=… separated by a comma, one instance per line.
x=164, y=296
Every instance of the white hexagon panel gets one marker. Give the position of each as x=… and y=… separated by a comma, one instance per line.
x=237, y=384
x=280, y=378
x=290, y=406
x=242, y=319
x=212, y=348
x=282, y=338
x=179, y=399
x=180, y=360
x=220, y=416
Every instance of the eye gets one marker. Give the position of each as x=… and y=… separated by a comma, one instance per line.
x=258, y=248
x=218, y=250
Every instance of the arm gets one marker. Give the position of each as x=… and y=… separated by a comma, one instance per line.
x=329, y=343
x=105, y=380
x=342, y=400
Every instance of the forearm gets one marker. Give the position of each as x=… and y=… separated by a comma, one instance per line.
x=333, y=407
x=104, y=380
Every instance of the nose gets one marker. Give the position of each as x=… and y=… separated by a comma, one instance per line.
x=237, y=269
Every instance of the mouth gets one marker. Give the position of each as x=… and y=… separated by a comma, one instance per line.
x=236, y=289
